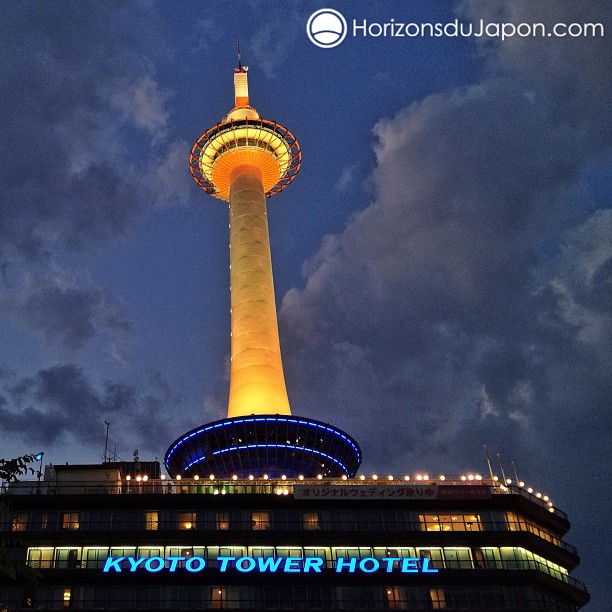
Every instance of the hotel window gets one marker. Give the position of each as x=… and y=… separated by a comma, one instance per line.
x=152, y=551
x=260, y=520
x=433, y=554
x=67, y=558
x=389, y=553
x=311, y=521
x=487, y=558
x=187, y=520
x=395, y=598
x=20, y=522
x=322, y=553
x=265, y=551
x=512, y=520
x=458, y=558
x=94, y=557
x=40, y=521
x=98, y=521
x=152, y=520
x=437, y=599
x=222, y=521
x=450, y=522
x=218, y=597
x=67, y=599
x=40, y=558
x=70, y=520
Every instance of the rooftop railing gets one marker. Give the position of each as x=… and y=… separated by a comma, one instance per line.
x=419, y=487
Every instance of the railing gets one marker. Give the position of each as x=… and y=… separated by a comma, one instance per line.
x=217, y=486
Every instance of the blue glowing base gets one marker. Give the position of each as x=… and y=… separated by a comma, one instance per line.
x=264, y=444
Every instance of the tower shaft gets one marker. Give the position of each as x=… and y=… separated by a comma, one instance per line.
x=257, y=383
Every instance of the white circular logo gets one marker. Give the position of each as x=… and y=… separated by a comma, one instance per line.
x=326, y=28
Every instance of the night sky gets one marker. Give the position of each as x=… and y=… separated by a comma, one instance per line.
x=443, y=261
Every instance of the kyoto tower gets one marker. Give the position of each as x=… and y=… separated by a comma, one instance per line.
x=243, y=160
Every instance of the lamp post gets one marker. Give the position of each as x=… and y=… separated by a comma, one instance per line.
x=39, y=457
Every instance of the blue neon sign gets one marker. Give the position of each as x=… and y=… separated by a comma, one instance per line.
x=287, y=565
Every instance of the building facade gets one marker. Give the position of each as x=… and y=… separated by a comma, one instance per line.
x=105, y=538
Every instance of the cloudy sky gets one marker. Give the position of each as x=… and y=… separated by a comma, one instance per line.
x=443, y=261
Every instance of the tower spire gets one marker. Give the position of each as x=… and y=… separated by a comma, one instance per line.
x=241, y=84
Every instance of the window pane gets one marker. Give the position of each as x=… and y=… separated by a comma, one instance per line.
x=260, y=520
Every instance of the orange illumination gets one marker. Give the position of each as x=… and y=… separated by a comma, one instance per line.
x=228, y=163
x=243, y=160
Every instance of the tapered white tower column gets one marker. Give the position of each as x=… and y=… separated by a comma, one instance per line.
x=257, y=384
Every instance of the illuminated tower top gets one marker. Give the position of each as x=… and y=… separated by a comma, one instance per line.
x=242, y=160
x=264, y=144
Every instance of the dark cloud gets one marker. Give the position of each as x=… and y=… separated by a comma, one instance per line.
x=63, y=310
x=78, y=83
x=61, y=405
x=78, y=167
x=470, y=301
x=434, y=296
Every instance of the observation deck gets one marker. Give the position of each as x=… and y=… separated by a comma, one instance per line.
x=271, y=445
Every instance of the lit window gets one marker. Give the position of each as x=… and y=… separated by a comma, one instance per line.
x=20, y=522
x=260, y=520
x=70, y=520
x=450, y=522
x=311, y=521
x=437, y=598
x=222, y=521
x=395, y=598
x=152, y=520
x=217, y=597
x=187, y=520
x=40, y=557
x=67, y=597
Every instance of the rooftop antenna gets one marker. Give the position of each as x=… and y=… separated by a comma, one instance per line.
x=239, y=62
x=516, y=476
x=106, y=458
x=501, y=467
x=486, y=450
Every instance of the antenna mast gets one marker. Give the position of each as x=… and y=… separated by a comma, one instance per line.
x=105, y=459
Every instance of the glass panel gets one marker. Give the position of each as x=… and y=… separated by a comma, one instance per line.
x=311, y=521
x=437, y=599
x=187, y=520
x=152, y=520
x=260, y=520
x=20, y=522
x=222, y=521
x=70, y=520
